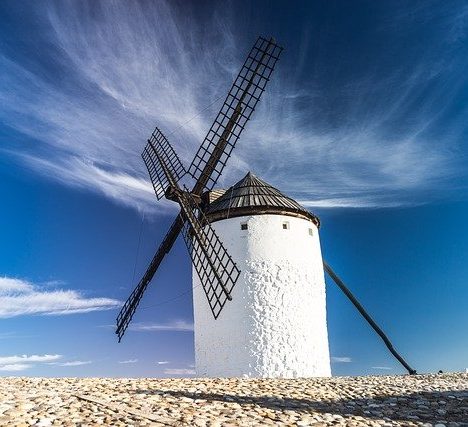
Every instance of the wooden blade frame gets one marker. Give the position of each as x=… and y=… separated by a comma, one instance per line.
x=159, y=145
x=240, y=103
x=128, y=310
x=216, y=269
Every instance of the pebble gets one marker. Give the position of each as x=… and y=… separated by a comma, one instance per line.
x=381, y=401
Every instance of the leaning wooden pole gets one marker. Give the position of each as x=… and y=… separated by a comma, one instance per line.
x=366, y=316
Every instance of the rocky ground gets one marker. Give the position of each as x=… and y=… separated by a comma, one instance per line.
x=422, y=400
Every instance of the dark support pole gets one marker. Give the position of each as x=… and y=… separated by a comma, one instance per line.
x=369, y=319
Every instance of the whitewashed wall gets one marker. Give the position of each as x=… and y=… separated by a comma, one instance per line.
x=275, y=326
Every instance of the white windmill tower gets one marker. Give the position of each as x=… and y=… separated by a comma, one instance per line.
x=255, y=252
x=275, y=325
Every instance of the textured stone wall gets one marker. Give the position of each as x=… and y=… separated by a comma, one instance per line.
x=275, y=326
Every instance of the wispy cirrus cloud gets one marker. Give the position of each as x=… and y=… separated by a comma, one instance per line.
x=342, y=359
x=72, y=363
x=32, y=358
x=382, y=368
x=179, y=371
x=129, y=361
x=175, y=325
x=120, y=186
x=15, y=367
x=20, y=297
x=22, y=362
x=163, y=362
x=336, y=128
x=93, y=129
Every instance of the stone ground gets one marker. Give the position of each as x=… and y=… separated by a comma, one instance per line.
x=421, y=400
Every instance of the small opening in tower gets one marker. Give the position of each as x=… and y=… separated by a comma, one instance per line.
x=244, y=226
x=311, y=231
x=285, y=225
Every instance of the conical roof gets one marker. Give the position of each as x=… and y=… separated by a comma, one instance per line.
x=253, y=196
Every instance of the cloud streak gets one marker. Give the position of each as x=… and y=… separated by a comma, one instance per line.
x=179, y=371
x=20, y=297
x=176, y=326
x=23, y=362
x=369, y=134
x=72, y=363
x=15, y=367
x=344, y=359
x=25, y=358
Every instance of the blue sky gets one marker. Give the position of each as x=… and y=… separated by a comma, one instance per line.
x=364, y=122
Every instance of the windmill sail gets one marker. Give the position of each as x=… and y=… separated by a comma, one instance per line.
x=238, y=106
x=158, y=145
x=216, y=269
x=128, y=310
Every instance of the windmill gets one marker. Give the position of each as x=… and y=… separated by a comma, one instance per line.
x=212, y=262
x=235, y=343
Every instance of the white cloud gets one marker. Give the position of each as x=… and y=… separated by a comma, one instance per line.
x=382, y=368
x=179, y=371
x=352, y=202
x=20, y=297
x=15, y=367
x=163, y=362
x=344, y=359
x=10, y=286
x=128, y=361
x=76, y=363
x=176, y=325
x=32, y=358
x=80, y=173
x=23, y=362
x=71, y=363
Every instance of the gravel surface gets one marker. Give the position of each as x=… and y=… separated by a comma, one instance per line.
x=421, y=400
